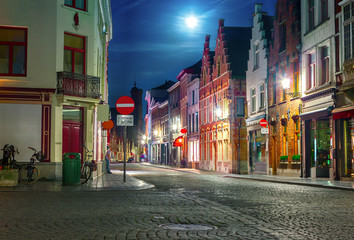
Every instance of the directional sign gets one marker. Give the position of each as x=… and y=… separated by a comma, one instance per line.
x=263, y=123
x=125, y=105
x=125, y=120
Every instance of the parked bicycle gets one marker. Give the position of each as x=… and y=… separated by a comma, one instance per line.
x=88, y=166
x=28, y=172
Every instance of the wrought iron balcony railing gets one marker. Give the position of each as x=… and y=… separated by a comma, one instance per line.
x=78, y=85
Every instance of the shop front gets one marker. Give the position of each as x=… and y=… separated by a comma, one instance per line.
x=344, y=160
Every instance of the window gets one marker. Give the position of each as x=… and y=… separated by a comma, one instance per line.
x=256, y=56
x=74, y=53
x=296, y=83
x=348, y=24
x=261, y=96
x=311, y=15
x=324, y=10
x=311, y=71
x=282, y=39
x=78, y=4
x=192, y=122
x=274, y=88
x=13, y=51
x=253, y=99
x=240, y=112
x=218, y=67
x=325, y=65
x=193, y=102
x=196, y=122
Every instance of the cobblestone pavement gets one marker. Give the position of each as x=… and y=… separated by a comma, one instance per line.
x=181, y=206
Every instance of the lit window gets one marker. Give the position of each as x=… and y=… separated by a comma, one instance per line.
x=78, y=4
x=74, y=53
x=13, y=51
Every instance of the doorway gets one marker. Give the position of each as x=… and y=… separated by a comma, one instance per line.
x=72, y=130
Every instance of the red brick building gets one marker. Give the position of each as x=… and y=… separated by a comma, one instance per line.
x=222, y=101
x=285, y=108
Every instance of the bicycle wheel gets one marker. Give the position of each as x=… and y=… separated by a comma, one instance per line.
x=86, y=172
x=29, y=174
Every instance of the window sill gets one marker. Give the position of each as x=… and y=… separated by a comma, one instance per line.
x=316, y=27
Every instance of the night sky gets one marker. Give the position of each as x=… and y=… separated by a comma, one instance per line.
x=152, y=41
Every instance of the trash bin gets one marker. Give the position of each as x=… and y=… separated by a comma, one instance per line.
x=71, y=168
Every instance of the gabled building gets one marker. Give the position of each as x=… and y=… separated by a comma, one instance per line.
x=154, y=97
x=318, y=89
x=257, y=91
x=284, y=103
x=222, y=102
x=188, y=116
x=175, y=125
x=53, y=78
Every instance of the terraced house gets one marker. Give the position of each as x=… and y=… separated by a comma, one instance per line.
x=222, y=101
x=53, y=78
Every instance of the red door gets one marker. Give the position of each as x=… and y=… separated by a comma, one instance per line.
x=72, y=130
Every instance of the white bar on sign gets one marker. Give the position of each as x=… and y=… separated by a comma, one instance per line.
x=125, y=105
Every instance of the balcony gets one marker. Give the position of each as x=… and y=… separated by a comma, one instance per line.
x=78, y=85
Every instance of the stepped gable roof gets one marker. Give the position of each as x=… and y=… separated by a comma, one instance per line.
x=238, y=44
x=194, y=69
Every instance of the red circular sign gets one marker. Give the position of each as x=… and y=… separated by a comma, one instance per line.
x=183, y=130
x=263, y=123
x=125, y=105
x=108, y=124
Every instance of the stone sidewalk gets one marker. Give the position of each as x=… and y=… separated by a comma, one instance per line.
x=318, y=182
x=106, y=182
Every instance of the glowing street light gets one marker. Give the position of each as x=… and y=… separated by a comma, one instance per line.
x=218, y=112
x=286, y=83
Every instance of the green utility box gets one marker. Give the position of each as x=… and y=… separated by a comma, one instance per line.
x=71, y=168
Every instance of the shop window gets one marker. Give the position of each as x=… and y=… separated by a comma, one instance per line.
x=13, y=51
x=320, y=133
x=348, y=147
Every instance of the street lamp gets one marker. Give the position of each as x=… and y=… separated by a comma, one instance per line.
x=286, y=86
x=218, y=112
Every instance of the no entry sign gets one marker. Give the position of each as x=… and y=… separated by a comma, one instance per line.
x=125, y=105
x=263, y=123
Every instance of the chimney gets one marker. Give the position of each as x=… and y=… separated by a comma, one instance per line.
x=258, y=8
x=221, y=22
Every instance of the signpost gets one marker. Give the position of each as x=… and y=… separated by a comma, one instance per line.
x=125, y=105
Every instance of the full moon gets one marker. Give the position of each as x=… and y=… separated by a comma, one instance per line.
x=191, y=22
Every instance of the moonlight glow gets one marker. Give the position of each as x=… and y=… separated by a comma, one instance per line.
x=191, y=22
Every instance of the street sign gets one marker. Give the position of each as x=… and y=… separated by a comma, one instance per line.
x=125, y=105
x=125, y=120
x=263, y=123
x=264, y=130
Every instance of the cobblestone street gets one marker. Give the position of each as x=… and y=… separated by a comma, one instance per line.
x=181, y=206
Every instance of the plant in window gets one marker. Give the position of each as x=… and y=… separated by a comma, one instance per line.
x=273, y=122
x=295, y=117
x=284, y=159
x=295, y=158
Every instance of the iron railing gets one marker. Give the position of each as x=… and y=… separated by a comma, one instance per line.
x=78, y=85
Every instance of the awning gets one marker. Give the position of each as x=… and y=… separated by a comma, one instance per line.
x=178, y=142
x=323, y=112
x=343, y=112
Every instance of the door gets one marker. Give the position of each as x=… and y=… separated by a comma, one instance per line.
x=72, y=131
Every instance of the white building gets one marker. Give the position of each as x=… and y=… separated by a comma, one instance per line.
x=193, y=122
x=318, y=89
x=257, y=85
x=53, y=77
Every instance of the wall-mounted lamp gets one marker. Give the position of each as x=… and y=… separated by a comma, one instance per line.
x=286, y=86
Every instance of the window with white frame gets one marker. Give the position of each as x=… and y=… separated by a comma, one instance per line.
x=325, y=65
x=311, y=71
x=348, y=27
x=253, y=99
x=261, y=96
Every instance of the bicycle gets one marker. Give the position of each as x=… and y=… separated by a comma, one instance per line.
x=28, y=172
x=88, y=166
